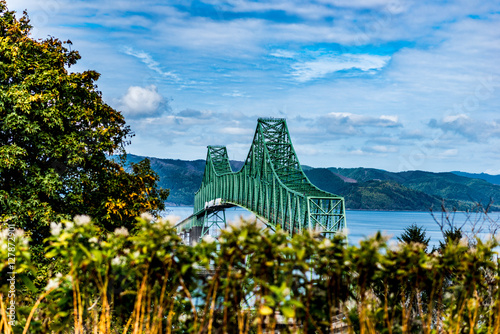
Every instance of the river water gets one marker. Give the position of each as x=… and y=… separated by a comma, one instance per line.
x=362, y=224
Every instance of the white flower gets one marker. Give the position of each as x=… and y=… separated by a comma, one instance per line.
x=236, y=224
x=318, y=230
x=19, y=233
x=170, y=220
x=183, y=317
x=325, y=243
x=208, y=239
x=228, y=229
x=427, y=265
x=344, y=231
x=121, y=231
x=281, y=232
x=394, y=245
x=147, y=216
x=286, y=291
x=81, y=220
x=463, y=242
x=69, y=225
x=4, y=234
x=53, y=284
x=93, y=240
x=118, y=261
x=260, y=224
x=55, y=228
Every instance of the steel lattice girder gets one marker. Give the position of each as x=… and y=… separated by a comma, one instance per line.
x=271, y=184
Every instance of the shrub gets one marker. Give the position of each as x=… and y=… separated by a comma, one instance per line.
x=251, y=280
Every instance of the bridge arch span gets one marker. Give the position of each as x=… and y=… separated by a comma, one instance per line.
x=271, y=184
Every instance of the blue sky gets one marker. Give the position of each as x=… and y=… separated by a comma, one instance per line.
x=397, y=85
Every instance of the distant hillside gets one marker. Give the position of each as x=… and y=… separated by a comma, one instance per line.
x=372, y=194
x=449, y=185
x=366, y=174
x=462, y=191
x=363, y=188
x=495, y=179
x=182, y=177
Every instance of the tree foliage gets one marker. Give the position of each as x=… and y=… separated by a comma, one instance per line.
x=452, y=235
x=415, y=234
x=56, y=134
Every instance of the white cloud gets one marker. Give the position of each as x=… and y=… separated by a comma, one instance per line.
x=304, y=9
x=449, y=153
x=236, y=131
x=375, y=149
x=474, y=130
x=382, y=131
x=363, y=3
x=141, y=101
x=303, y=150
x=349, y=119
x=283, y=54
x=233, y=38
x=307, y=9
x=150, y=62
x=322, y=66
x=391, y=118
x=492, y=171
x=455, y=118
x=235, y=93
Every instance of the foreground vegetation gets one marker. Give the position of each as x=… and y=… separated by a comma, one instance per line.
x=250, y=281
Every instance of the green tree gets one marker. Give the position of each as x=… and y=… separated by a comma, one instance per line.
x=56, y=135
x=414, y=234
x=451, y=236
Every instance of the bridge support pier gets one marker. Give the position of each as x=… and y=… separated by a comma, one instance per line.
x=214, y=221
x=195, y=234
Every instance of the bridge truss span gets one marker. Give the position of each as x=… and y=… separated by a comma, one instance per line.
x=270, y=184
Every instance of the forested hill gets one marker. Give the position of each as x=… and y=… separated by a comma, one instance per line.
x=495, y=179
x=375, y=189
x=363, y=188
x=182, y=177
x=442, y=185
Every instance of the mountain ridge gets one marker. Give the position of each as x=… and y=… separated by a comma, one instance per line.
x=362, y=188
x=494, y=179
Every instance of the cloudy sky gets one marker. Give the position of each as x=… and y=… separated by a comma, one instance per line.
x=397, y=85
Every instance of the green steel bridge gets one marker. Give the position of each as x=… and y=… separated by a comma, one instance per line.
x=271, y=184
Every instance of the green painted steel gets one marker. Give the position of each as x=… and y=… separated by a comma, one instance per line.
x=270, y=184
